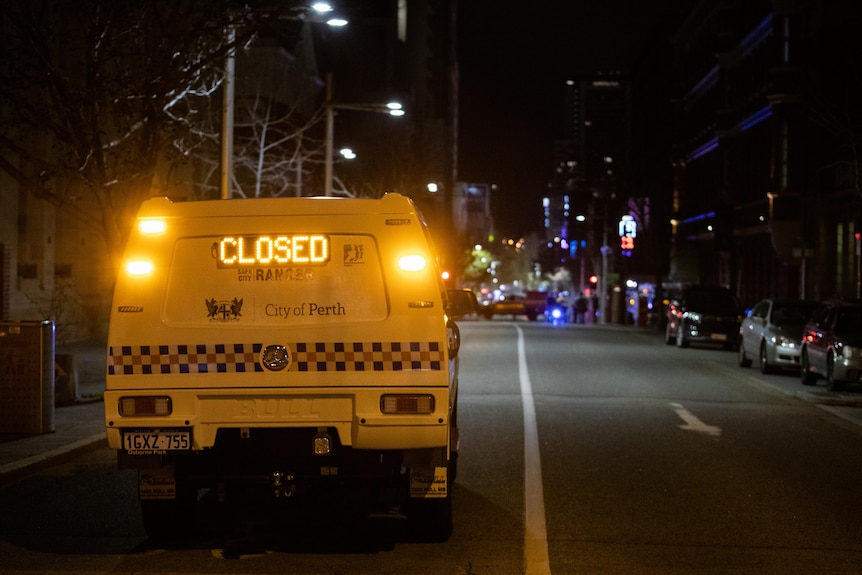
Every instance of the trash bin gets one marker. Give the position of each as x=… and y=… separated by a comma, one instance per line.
x=26, y=377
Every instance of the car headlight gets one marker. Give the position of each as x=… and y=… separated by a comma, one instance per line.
x=693, y=316
x=784, y=341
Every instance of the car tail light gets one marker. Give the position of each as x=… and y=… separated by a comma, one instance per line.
x=406, y=403
x=145, y=405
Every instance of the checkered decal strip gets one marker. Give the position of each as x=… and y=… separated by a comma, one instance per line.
x=364, y=356
x=148, y=359
x=244, y=358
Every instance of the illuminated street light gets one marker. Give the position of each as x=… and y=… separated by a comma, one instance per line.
x=321, y=9
x=302, y=14
x=391, y=108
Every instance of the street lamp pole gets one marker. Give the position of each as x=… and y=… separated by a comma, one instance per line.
x=391, y=108
x=330, y=129
x=227, y=116
x=319, y=10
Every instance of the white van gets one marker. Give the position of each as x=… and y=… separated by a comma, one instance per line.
x=286, y=347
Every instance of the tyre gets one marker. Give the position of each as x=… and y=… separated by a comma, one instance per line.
x=453, y=455
x=430, y=520
x=831, y=383
x=681, y=340
x=171, y=520
x=807, y=377
x=765, y=368
x=742, y=359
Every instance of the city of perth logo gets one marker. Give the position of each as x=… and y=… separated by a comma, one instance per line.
x=225, y=310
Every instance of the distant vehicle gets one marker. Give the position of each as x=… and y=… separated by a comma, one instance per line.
x=704, y=314
x=832, y=345
x=557, y=313
x=532, y=305
x=772, y=333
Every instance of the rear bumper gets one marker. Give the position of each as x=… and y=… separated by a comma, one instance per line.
x=699, y=335
x=354, y=414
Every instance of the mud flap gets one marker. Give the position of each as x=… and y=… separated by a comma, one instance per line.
x=429, y=473
x=429, y=506
x=157, y=484
x=429, y=483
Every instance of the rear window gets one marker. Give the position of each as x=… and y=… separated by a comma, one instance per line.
x=275, y=281
x=792, y=314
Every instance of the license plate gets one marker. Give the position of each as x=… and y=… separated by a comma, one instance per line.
x=719, y=336
x=156, y=442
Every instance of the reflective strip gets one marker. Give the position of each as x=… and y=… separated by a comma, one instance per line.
x=245, y=358
x=154, y=359
x=368, y=356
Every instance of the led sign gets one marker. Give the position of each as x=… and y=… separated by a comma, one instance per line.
x=272, y=250
x=628, y=232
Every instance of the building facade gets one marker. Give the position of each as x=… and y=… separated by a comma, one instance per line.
x=765, y=135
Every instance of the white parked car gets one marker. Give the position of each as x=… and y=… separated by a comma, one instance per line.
x=772, y=333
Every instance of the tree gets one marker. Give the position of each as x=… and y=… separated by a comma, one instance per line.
x=272, y=148
x=278, y=120
x=91, y=90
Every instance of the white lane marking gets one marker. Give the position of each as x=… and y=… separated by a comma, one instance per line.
x=536, y=532
x=692, y=423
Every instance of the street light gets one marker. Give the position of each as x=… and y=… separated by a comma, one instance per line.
x=314, y=14
x=324, y=8
x=391, y=108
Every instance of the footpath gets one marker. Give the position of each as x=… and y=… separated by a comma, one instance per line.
x=78, y=422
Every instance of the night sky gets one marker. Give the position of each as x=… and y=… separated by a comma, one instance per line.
x=514, y=59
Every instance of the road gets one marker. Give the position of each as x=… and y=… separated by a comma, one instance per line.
x=584, y=449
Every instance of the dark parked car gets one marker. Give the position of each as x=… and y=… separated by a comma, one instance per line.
x=772, y=333
x=704, y=314
x=832, y=344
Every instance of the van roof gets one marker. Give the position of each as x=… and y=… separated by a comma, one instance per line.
x=310, y=205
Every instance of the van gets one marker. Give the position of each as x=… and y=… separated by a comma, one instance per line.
x=285, y=348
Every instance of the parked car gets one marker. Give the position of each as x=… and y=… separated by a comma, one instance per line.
x=704, y=314
x=772, y=333
x=832, y=344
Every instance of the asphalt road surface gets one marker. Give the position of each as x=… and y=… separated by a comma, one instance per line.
x=584, y=449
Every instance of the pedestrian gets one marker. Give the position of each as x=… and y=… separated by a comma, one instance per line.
x=580, y=308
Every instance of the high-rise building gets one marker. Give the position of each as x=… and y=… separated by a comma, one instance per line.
x=589, y=183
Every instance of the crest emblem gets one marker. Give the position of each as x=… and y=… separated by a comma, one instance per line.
x=224, y=310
